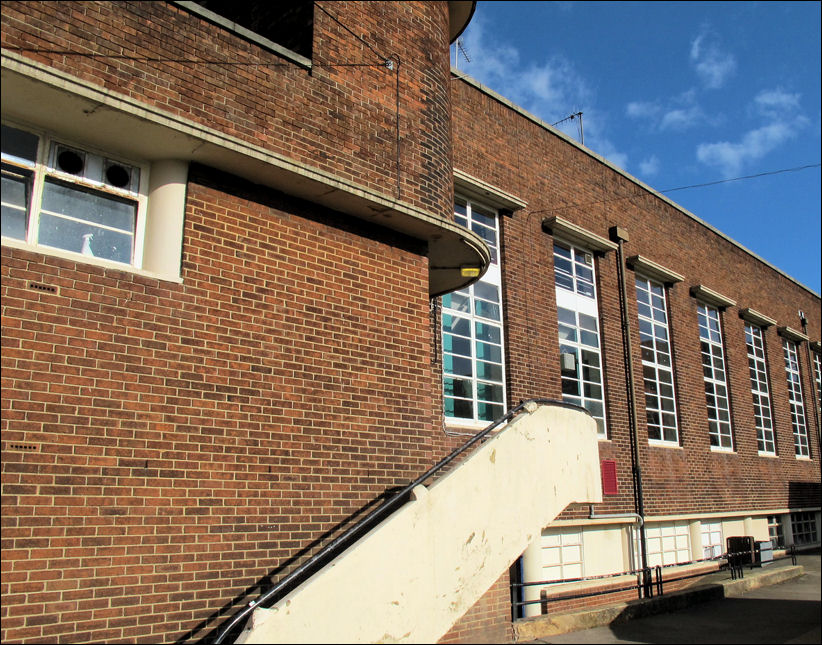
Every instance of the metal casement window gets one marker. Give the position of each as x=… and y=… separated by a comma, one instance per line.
x=758, y=371
x=657, y=366
x=65, y=197
x=803, y=527
x=715, y=377
x=579, y=337
x=817, y=376
x=800, y=428
x=472, y=332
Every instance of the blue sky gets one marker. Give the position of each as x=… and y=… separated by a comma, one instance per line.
x=678, y=94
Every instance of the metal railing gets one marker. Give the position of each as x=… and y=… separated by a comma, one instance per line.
x=350, y=536
x=649, y=581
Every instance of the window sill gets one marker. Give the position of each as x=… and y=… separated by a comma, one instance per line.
x=657, y=443
x=85, y=259
x=803, y=458
x=767, y=455
x=726, y=451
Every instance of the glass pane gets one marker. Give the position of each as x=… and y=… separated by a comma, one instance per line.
x=486, y=291
x=457, y=301
x=19, y=144
x=85, y=238
x=456, y=365
x=456, y=325
x=489, y=371
x=486, y=309
x=458, y=387
x=487, y=332
x=82, y=204
x=489, y=412
x=459, y=408
x=489, y=352
x=489, y=392
x=15, y=194
x=456, y=344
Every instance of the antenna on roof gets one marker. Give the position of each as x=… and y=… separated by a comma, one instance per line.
x=460, y=49
x=571, y=117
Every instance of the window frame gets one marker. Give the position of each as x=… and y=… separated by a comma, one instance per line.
x=707, y=314
x=803, y=523
x=656, y=365
x=580, y=302
x=760, y=389
x=799, y=420
x=42, y=171
x=492, y=278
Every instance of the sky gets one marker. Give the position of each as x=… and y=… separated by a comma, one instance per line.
x=679, y=94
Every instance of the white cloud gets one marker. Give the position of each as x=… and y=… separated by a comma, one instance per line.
x=730, y=157
x=782, y=119
x=679, y=113
x=551, y=88
x=776, y=103
x=713, y=65
x=650, y=166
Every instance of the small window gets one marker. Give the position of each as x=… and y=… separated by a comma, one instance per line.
x=775, y=532
x=65, y=197
x=803, y=527
x=287, y=24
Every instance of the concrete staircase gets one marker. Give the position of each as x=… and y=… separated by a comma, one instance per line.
x=414, y=575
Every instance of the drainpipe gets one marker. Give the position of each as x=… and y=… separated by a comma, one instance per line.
x=620, y=235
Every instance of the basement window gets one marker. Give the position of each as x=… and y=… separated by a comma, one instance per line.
x=286, y=28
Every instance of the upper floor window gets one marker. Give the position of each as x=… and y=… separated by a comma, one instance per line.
x=657, y=366
x=714, y=377
x=574, y=270
x=817, y=376
x=61, y=196
x=285, y=26
x=579, y=337
x=472, y=332
x=800, y=428
x=757, y=370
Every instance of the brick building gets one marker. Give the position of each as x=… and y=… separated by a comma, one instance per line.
x=239, y=306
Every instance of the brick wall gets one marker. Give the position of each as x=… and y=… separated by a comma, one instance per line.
x=340, y=117
x=191, y=441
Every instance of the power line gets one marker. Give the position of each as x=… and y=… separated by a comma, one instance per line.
x=725, y=181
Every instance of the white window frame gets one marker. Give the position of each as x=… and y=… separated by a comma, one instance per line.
x=470, y=298
x=712, y=543
x=796, y=400
x=581, y=301
x=563, y=553
x=654, y=313
x=43, y=169
x=776, y=532
x=758, y=372
x=666, y=543
x=715, y=377
x=817, y=376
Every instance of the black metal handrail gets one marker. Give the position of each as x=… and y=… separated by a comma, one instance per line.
x=644, y=577
x=337, y=546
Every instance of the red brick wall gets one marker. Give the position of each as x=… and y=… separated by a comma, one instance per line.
x=191, y=439
x=340, y=117
x=501, y=147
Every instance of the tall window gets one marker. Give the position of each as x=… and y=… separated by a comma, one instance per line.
x=800, y=428
x=472, y=339
x=657, y=370
x=64, y=197
x=817, y=376
x=757, y=370
x=579, y=345
x=714, y=376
